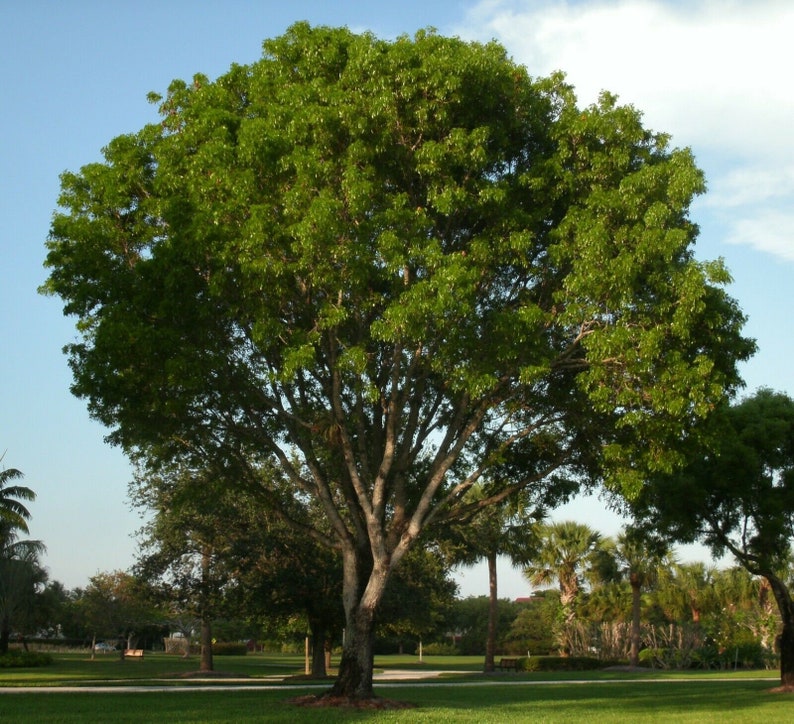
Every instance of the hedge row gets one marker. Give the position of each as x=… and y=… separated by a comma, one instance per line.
x=15, y=659
x=229, y=649
x=561, y=663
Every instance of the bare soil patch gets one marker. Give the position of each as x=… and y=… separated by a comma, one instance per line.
x=788, y=689
x=208, y=675
x=344, y=702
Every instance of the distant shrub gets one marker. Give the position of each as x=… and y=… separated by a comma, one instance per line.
x=748, y=655
x=24, y=659
x=440, y=649
x=559, y=663
x=229, y=649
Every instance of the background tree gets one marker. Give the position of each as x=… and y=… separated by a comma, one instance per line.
x=186, y=542
x=639, y=558
x=277, y=570
x=738, y=496
x=21, y=578
x=531, y=631
x=408, y=266
x=419, y=599
x=116, y=605
x=507, y=529
x=470, y=623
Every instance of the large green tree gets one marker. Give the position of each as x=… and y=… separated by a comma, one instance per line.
x=737, y=496
x=406, y=265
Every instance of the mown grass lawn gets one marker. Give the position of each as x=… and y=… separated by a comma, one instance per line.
x=559, y=697
x=671, y=701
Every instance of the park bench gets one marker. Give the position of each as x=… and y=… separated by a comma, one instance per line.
x=133, y=653
x=508, y=664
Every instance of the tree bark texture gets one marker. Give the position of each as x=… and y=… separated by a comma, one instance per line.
x=636, y=601
x=362, y=591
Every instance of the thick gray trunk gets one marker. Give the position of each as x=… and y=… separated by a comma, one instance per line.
x=362, y=592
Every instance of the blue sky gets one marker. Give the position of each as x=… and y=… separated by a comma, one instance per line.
x=714, y=74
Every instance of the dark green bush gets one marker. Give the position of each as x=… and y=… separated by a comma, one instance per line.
x=748, y=655
x=24, y=659
x=229, y=649
x=559, y=663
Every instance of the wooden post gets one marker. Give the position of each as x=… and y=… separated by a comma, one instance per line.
x=307, y=667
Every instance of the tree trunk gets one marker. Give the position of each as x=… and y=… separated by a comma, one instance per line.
x=362, y=591
x=206, y=663
x=493, y=604
x=5, y=634
x=355, y=669
x=318, y=649
x=786, y=608
x=636, y=600
x=206, y=645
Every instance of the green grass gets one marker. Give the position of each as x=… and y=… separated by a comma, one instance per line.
x=695, y=701
x=77, y=669
x=472, y=697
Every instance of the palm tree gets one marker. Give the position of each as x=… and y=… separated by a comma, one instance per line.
x=12, y=511
x=638, y=559
x=19, y=567
x=693, y=589
x=567, y=549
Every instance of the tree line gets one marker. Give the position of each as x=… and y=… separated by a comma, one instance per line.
x=595, y=597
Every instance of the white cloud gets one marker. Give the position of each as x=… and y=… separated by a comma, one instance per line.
x=748, y=185
x=713, y=73
x=768, y=230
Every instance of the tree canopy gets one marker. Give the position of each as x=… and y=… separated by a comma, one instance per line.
x=393, y=269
